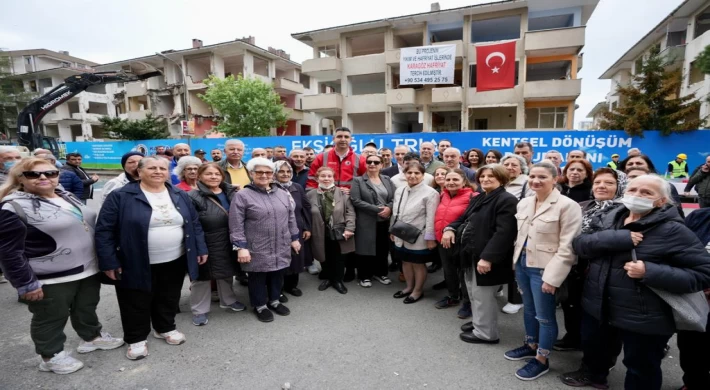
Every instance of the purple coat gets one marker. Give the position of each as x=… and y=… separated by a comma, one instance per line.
x=265, y=223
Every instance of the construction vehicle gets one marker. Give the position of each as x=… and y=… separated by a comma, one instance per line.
x=28, y=131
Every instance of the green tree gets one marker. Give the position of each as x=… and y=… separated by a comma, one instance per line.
x=248, y=107
x=651, y=102
x=703, y=60
x=134, y=130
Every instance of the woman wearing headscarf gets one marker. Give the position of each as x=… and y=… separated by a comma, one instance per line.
x=302, y=259
x=129, y=163
x=186, y=171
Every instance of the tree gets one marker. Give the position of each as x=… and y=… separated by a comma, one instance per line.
x=651, y=102
x=248, y=107
x=134, y=130
x=11, y=93
x=703, y=60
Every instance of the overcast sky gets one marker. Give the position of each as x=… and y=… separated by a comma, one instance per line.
x=106, y=31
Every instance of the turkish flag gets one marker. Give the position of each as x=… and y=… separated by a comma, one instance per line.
x=495, y=66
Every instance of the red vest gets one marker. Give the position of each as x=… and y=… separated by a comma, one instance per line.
x=450, y=209
x=350, y=167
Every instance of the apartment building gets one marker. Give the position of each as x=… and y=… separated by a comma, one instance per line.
x=36, y=72
x=357, y=69
x=680, y=37
x=174, y=96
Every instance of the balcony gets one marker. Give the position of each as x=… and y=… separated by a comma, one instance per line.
x=287, y=87
x=673, y=55
x=324, y=102
x=324, y=69
x=294, y=114
x=552, y=90
x=392, y=56
x=362, y=104
x=519, y=51
x=501, y=98
x=403, y=97
x=91, y=118
x=448, y=95
x=136, y=89
x=554, y=42
x=135, y=115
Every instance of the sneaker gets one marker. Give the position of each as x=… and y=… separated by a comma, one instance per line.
x=236, y=306
x=215, y=296
x=446, y=302
x=173, y=337
x=464, y=311
x=265, y=315
x=280, y=310
x=199, y=319
x=365, y=283
x=564, y=344
x=383, y=279
x=521, y=353
x=510, y=308
x=581, y=378
x=283, y=298
x=2, y=279
x=313, y=269
x=103, y=342
x=500, y=293
x=61, y=363
x=533, y=370
x=137, y=351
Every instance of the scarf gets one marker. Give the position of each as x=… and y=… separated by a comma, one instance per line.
x=600, y=205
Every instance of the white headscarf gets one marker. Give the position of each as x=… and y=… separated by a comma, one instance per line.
x=278, y=165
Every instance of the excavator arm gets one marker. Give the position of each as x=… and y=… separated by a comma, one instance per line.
x=28, y=133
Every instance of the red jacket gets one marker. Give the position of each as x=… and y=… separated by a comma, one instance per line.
x=343, y=169
x=450, y=209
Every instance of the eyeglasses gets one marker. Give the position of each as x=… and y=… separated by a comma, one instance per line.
x=374, y=162
x=263, y=173
x=38, y=174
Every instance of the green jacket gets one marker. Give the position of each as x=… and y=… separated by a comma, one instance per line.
x=701, y=181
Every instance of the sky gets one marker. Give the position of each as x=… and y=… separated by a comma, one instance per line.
x=105, y=31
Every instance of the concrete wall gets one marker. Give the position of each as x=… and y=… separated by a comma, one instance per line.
x=502, y=118
x=368, y=86
x=368, y=123
x=218, y=66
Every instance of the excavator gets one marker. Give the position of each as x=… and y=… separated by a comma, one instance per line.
x=29, y=134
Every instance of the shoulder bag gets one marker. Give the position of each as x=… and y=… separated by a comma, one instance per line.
x=405, y=231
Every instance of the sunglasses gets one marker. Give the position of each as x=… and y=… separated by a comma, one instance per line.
x=38, y=174
x=374, y=162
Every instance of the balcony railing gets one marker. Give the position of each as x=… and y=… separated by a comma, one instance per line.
x=559, y=41
x=323, y=102
x=553, y=89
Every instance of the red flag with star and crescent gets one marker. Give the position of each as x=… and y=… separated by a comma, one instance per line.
x=495, y=66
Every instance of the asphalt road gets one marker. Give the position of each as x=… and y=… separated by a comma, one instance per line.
x=362, y=340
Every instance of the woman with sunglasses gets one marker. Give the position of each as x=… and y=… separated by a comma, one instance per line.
x=47, y=252
x=372, y=195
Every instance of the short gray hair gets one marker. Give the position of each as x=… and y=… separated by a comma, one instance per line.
x=663, y=185
x=523, y=164
x=183, y=162
x=546, y=164
x=146, y=159
x=8, y=149
x=234, y=141
x=47, y=156
x=260, y=162
x=453, y=149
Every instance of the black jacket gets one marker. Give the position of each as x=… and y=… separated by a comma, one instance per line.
x=391, y=171
x=86, y=180
x=222, y=260
x=578, y=193
x=490, y=232
x=304, y=257
x=675, y=261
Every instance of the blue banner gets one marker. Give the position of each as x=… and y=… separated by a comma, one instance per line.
x=599, y=145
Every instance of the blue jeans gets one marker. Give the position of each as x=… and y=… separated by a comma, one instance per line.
x=539, y=310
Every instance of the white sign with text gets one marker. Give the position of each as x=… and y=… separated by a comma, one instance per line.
x=427, y=64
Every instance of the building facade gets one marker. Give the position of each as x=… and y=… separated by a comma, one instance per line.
x=36, y=72
x=357, y=69
x=680, y=38
x=175, y=94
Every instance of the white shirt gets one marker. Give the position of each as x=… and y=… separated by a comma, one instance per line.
x=165, y=231
x=400, y=180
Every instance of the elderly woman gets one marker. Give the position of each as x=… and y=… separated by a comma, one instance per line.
x=416, y=205
x=493, y=156
x=212, y=199
x=303, y=258
x=263, y=229
x=576, y=181
x=547, y=224
x=47, y=253
x=333, y=221
x=486, y=251
x=148, y=236
x=186, y=171
x=633, y=247
x=372, y=195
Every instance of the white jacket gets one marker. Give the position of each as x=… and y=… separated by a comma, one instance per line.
x=114, y=184
x=418, y=208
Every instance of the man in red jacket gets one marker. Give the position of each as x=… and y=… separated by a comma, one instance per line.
x=342, y=159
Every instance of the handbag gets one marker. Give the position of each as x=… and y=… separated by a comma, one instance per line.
x=690, y=311
x=405, y=231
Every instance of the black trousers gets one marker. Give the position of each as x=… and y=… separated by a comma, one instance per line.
x=572, y=307
x=367, y=266
x=696, y=367
x=290, y=281
x=159, y=306
x=514, y=296
x=265, y=287
x=334, y=264
x=453, y=275
x=643, y=353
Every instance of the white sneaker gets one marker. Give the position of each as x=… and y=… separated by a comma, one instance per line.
x=2, y=279
x=510, y=308
x=104, y=342
x=173, y=337
x=365, y=283
x=313, y=269
x=383, y=279
x=61, y=363
x=137, y=351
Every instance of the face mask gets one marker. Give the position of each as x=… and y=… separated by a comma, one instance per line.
x=638, y=205
x=10, y=164
x=327, y=187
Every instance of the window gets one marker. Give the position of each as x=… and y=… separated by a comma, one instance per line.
x=676, y=38
x=33, y=85
x=546, y=118
x=498, y=29
x=28, y=60
x=696, y=75
x=702, y=23
x=638, y=65
x=328, y=51
x=472, y=72
x=480, y=124
x=65, y=64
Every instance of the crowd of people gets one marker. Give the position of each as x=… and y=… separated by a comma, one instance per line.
x=608, y=245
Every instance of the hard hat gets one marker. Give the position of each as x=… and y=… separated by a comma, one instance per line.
x=682, y=156
x=614, y=155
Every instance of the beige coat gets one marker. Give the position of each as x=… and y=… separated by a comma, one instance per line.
x=343, y=214
x=549, y=233
x=418, y=207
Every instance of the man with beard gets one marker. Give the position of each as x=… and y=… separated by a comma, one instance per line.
x=310, y=155
x=216, y=155
x=342, y=159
